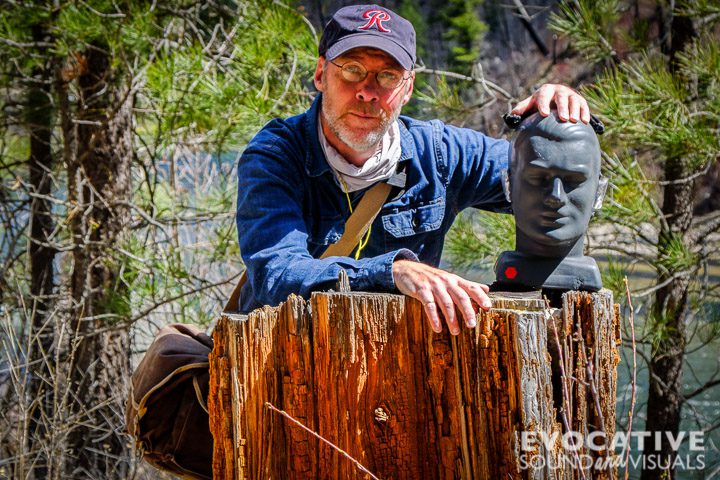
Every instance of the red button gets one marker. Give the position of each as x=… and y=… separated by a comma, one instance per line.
x=511, y=272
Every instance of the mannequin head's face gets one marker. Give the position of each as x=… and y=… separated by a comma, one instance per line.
x=554, y=179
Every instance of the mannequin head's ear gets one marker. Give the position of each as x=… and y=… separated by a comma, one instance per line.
x=600, y=195
x=506, y=184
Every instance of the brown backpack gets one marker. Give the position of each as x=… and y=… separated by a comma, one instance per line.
x=167, y=410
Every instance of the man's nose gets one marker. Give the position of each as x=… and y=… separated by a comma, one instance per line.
x=557, y=196
x=368, y=90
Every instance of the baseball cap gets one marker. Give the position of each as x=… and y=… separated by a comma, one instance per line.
x=369, y=26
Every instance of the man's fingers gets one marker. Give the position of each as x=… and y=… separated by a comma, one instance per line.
x=570, y=104
x=584, y=111
x=433, y=317
x=523, y=106
x=544, y=98
x=462, y=300
x=478, y=292
x=561, y=102
x=574, y=106
x=447, y=306
x=440, y=291
x=428, y=300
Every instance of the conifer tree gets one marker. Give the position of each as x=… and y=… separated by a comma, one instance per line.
x=464, y=32
x=99, y=97
x=658, y=95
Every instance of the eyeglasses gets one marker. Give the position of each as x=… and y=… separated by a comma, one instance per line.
x=354, y=72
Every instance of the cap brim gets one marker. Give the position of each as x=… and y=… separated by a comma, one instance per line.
x=371, y=41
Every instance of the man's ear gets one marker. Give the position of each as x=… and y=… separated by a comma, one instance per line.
x=319, y=71
x=600, y=195
x=411, y=83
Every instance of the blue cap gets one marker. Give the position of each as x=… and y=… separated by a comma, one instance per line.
x=369, y=26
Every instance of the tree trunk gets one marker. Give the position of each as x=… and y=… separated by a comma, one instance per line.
x=367, y=373
x=670, y=308
x=40, y=120
x=99, y=160
x=669, y=312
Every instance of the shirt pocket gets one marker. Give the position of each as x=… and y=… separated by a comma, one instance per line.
x=415, y=219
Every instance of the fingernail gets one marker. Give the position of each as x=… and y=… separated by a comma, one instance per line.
x=471, y=323
x=487, y=305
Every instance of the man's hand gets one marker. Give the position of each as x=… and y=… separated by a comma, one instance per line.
x=569, y=103
x=436, y=288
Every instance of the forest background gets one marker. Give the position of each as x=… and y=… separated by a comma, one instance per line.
x=122, y=122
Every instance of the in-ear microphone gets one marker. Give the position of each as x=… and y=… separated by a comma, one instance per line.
x=513, y=120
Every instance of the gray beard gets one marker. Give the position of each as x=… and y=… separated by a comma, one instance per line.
x=370, y=141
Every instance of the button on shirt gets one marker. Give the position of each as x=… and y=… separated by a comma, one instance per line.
x=290, y=208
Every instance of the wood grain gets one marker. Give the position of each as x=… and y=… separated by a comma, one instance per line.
x=366, y=372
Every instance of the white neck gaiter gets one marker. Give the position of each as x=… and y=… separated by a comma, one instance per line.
x=380, y=166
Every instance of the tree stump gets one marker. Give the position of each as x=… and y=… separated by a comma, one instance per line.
x=366, y=372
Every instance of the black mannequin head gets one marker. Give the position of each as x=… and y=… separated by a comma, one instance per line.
x=554, y=185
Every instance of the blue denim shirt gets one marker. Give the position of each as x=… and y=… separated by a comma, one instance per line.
x=291, y=207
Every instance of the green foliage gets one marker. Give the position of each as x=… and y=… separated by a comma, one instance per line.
x=13, y=148
x=590, y=26
x=704, y=10
x=202, y=100
x=660, y=330
x=227, y=89
x=77, y=25
x=477, y=239
x=442, y=101
x=640, y=32
x=15, y=24
x=648, y=104
x=613, y=278
x=464, y=33
x=675, y=256
x=702, y=61
x=670, y=116
x=206, y=77
x=622, y=202
x=657, y=113
x=409, y=10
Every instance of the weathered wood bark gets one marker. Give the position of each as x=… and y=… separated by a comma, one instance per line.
x=366, y=372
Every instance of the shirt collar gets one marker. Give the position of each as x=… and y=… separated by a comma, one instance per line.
x=315, y=162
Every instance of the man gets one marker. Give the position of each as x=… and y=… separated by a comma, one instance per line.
x=299, y=178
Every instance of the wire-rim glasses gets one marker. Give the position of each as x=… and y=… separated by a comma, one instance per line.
x=388, y=78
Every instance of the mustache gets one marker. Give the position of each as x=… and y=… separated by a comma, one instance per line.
x=365, y=109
